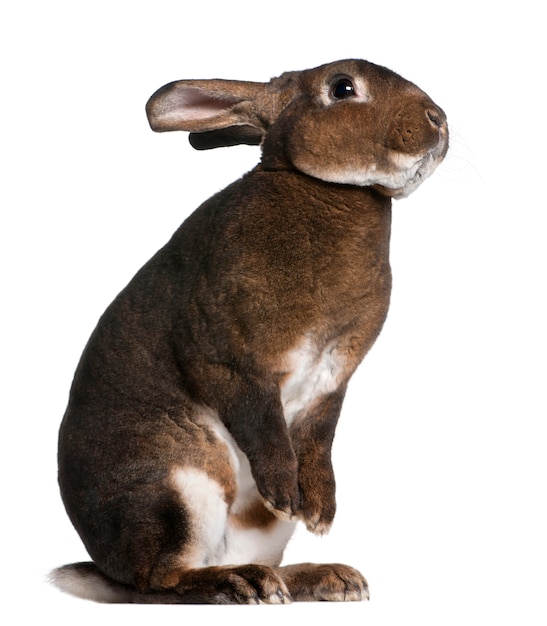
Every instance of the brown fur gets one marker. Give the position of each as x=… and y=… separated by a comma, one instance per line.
x=198, y=356
x=256, y=516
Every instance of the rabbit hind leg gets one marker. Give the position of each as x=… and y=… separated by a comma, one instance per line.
x=332, y=582
x=224, y=560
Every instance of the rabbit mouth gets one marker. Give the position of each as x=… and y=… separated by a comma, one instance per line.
x=410, y=171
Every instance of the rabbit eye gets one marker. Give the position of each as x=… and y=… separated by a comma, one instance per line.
x=343, y=88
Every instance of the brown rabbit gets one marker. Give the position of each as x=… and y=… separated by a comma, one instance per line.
x=202, y=413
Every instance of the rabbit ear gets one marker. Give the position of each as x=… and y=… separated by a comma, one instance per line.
x=223, y=137
x=221, y=109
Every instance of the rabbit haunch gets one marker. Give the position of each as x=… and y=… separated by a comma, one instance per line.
x=202, y=413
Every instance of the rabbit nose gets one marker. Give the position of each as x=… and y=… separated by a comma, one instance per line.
x=436, y=116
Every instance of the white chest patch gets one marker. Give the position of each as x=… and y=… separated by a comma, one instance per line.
x=312, y=373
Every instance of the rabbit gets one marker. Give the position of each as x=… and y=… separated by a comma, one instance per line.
x=201, y=416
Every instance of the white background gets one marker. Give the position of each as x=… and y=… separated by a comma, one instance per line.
x=441, y=450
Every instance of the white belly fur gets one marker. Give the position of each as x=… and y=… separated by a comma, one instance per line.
x=216, y=538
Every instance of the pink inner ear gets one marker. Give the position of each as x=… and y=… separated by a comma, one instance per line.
x=193, y=103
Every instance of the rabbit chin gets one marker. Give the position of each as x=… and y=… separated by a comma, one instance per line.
x=402, y=184
x=406, y=174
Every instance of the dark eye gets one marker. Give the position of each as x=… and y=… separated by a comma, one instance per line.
x=343, y=88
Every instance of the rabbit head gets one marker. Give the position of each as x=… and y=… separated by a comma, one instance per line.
x=349, y=122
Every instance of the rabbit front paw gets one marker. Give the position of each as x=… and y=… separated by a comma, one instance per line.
x=318, y=500
x=278, y=486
